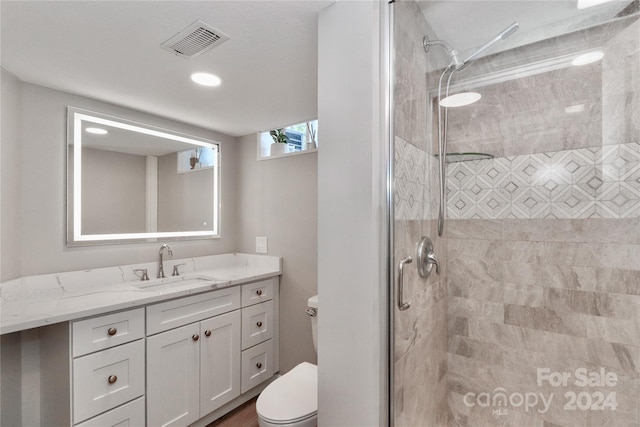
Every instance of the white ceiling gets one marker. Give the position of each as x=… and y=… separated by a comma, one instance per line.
x=110, y=51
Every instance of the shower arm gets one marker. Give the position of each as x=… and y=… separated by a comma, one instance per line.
x=453, y=54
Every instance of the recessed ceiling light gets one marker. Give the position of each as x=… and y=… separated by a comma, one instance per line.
x=588, y=58
x=97, y=131
x=460, y=99
x=206, y=79
x=583, y=4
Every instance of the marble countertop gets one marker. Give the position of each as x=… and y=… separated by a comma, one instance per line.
x=37, y=301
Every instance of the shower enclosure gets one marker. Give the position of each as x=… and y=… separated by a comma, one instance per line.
x=534, y=316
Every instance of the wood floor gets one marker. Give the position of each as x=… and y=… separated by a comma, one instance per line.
x=243, y=416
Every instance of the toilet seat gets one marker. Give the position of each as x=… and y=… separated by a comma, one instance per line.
x=292, y=398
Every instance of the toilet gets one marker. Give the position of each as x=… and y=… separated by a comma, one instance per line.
x=292, y=399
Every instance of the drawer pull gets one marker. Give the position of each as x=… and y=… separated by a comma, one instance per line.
x=112, y=379
x=195, y=337
x=259, y=324
x=207, y=333
x=112, y=331
x=259, y=292
x=259, y=365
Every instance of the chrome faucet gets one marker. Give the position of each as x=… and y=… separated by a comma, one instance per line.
x=161, y=268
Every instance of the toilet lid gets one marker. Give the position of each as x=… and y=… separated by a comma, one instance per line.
x=292, y=397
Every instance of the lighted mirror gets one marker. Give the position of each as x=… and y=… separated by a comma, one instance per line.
x=131, y=182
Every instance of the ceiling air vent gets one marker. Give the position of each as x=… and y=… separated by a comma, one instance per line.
x=195, y=40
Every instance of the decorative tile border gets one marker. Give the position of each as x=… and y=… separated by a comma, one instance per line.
x=416, y=182
x=594, y=182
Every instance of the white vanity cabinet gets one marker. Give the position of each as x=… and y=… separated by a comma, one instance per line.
x=193, y=370
x=108, y=368
x=178, y=362
x=196, y=351
x=92, y=371
x=259, y=327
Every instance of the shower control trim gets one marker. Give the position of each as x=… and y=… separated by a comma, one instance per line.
x=426, y=258
x=402, y=306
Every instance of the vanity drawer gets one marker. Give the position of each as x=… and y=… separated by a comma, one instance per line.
x=257, y=292
x=257, y=365
x=130, y=414
x=106, y=379
x=99, y=333
x=179, y=312
x=257, y=324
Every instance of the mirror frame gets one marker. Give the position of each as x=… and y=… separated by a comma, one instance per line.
x=75, y=119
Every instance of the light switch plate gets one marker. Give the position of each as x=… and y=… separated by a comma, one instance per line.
x=261, y=245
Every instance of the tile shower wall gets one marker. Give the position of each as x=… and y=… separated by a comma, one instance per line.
x=420, y=335
x=544, y=252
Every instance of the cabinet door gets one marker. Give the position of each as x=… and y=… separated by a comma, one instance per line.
x=173, y=369
x=219, y=361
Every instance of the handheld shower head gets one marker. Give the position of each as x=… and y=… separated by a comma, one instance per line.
x=503, y=35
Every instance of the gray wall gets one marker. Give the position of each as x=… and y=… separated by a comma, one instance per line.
x=185, y=200
x=113, y=192
x=279, y=200
x=10, y=176
x=10, y=372
x=34, y=201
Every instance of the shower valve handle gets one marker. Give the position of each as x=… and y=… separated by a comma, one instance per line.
x=426, y=258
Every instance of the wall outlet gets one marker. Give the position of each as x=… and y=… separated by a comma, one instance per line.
x=261, y=245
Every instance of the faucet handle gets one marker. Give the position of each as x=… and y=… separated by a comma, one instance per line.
x=143, y=276
x=175, y=269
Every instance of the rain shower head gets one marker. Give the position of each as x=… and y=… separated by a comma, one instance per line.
x=503, y=35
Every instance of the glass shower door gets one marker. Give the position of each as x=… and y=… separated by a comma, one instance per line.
x=535, y=316
x=420, y=334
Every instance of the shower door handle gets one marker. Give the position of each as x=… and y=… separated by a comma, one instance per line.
x=401, y=304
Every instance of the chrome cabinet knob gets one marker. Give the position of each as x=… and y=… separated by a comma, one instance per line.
x=195, y=337
x=258, y=365
x=259, y=324
x=207, y=333
x=259, y=292
x=112, y=331
x=112, y=379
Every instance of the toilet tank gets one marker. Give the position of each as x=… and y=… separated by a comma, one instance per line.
x=313, y=315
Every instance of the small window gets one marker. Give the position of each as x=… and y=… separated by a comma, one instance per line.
x=300, y=138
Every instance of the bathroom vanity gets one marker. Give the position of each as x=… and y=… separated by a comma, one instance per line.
x=181, y=351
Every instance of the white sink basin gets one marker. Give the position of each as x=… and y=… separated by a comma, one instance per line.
x=174, y=282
